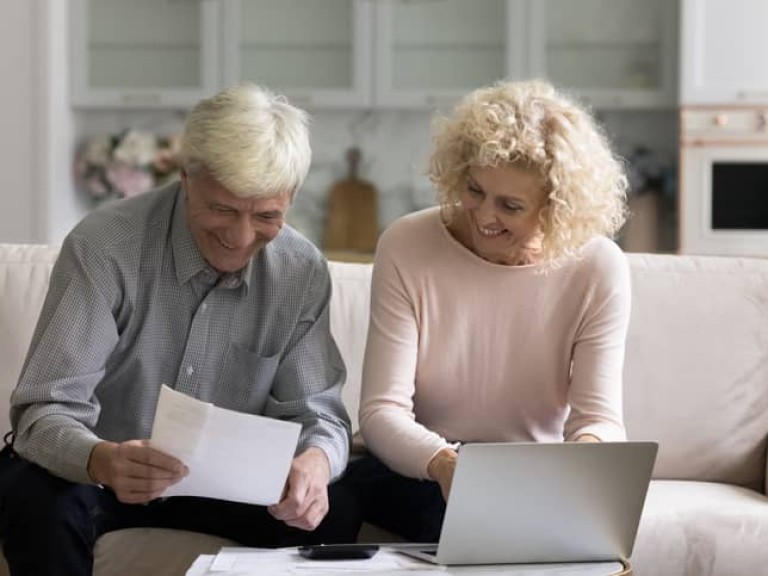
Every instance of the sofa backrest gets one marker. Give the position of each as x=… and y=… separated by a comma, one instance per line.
x=349, y=325
x=696, y=369
x=695, y=377
x=24, y=273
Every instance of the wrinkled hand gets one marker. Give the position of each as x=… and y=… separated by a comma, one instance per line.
x=305, y=500
x=441, y=469
x=136, y=472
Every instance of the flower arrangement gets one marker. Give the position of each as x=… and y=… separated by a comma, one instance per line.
x=126, y=164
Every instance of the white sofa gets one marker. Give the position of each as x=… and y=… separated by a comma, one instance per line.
x=696, y=381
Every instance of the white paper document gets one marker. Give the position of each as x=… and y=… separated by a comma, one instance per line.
x=233, y=561
x=261, y=561
x=230, y=455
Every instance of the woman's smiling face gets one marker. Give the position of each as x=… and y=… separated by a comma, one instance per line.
x=502, y=206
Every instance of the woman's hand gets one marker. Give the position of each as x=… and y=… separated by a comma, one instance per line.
x=441, y=469
x=588, y=438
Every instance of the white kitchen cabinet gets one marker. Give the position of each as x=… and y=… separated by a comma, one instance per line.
x=611, y=53
x=723, y=50
x=433, y=52
x=143, y=53
x=370, y=53
x=317, y=53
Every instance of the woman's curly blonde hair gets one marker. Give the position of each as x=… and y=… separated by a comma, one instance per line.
x=531, y=125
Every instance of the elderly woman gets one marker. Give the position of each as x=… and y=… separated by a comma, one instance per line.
x=500, y=315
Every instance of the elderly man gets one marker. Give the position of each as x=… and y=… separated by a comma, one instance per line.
x=199, y=285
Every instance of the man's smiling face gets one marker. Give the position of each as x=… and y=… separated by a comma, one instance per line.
x=230, y=230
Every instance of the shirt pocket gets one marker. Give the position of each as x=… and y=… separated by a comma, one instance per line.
x=246, y=380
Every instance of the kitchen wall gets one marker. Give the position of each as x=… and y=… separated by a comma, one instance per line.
x=395, y=149
x=40, y=133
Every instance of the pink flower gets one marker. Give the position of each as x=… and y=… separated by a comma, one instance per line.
x=128, y=180
x=125, y=165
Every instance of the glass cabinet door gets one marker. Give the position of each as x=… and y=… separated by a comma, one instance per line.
x=431, y=52
x=143, y=52
x=316, y=52
x=614, y=53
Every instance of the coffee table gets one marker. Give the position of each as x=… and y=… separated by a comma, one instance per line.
x=286, y=560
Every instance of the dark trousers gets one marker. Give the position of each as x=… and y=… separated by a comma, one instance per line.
x=49, y=526
x=411, y=508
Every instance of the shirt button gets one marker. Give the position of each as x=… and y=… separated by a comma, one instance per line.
x=204, y=307
x=190, y=370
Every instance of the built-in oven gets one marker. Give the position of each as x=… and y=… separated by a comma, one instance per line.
x=723, y=193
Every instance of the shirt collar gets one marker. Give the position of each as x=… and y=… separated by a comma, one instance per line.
x=188, y=260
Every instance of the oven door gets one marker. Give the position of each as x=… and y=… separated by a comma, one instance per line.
x=724, y=199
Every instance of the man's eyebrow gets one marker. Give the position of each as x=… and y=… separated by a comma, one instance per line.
x=270, y=212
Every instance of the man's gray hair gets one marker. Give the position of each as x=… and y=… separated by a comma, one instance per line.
x=252, y=141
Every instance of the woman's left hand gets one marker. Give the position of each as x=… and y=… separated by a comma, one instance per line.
x=588, y=438
x=441, y=469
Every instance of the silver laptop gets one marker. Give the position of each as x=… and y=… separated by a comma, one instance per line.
x=525, y=503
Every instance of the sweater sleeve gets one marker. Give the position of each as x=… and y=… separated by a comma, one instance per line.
x=595, y=395
x=387, y=419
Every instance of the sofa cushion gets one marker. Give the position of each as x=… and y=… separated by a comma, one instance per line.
x=152, y=551
x=696, y=370
x=701, y=528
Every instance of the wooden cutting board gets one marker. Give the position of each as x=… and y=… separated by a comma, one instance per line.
x=352, y=216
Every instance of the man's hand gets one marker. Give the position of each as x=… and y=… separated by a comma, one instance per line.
x=136, y=472
x=441, y=469
x=305, y=499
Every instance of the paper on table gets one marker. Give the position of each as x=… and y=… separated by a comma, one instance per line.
x=242, y=561
x=230, y=455
x=200, y=566
x=236, y=561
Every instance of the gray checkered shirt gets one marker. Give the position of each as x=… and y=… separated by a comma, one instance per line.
x=133, y=305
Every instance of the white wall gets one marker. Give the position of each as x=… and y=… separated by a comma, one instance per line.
x=35, y=123
x=19, y=114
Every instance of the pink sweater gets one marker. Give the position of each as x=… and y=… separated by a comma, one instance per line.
x=463, y=350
